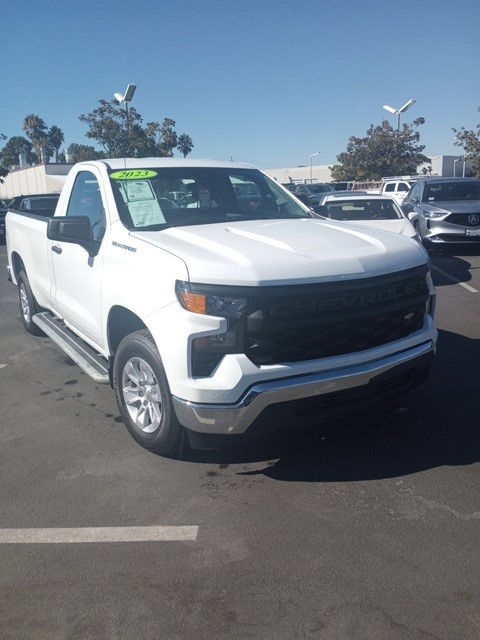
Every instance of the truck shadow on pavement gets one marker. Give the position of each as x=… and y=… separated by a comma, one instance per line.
x=435, y=425
x=458, y=268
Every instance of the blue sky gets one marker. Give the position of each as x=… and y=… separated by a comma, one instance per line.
x=262, y=81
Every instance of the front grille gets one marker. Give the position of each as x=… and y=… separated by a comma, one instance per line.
x=293, y=324
x=462, y=219
x=455, y=237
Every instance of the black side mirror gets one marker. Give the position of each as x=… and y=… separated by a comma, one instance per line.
x=74, y=230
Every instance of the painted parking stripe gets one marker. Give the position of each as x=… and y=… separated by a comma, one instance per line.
x=452, y=279
x=97, y=534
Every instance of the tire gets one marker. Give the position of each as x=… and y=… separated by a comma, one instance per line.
x=28, y=305
x=143, y=395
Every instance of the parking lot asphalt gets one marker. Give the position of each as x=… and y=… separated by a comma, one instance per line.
x=369, y=529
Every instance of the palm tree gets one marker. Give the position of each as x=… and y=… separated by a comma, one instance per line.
x=35, y=129
x=55, y=139
x=185, y=144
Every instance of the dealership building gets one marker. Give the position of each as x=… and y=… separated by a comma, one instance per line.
x=444, y=166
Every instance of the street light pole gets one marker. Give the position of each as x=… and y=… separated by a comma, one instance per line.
x=126, y=98
x=310, y=159
x=397, y=112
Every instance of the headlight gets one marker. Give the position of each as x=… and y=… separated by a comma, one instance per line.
x=434, y=214
x=198, y=299
x=208, y=351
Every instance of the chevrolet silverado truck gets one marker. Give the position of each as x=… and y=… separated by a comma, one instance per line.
x=225, y=314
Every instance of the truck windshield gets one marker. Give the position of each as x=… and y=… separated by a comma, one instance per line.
x=158, y=198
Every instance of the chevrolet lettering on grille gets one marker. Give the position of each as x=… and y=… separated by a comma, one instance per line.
x=348, y=300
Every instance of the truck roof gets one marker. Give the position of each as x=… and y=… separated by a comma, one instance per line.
x=141, y=163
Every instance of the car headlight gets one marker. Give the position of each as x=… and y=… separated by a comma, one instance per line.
x=208, y=351
x=434, y=214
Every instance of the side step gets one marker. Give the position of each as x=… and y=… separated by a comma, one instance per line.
x=80, y=352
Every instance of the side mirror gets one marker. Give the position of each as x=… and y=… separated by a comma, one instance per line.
x=413, y=215
x=74, y=230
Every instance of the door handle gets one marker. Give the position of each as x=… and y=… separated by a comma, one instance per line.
x=57, y=249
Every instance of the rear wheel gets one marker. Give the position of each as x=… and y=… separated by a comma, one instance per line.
x=28, y=305
x=143, y=395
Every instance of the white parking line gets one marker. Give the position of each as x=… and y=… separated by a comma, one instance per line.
x=97, y=534
x=452, y=279
x=2, y=366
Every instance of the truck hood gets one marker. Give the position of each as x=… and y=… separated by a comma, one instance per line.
x=452, y=206
x=276, y=252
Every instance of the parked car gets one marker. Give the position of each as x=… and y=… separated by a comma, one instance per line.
x=42, y=203
x=310, y=194
x=397, y=187
x=447, y=211
x=3, y=213
x=330, y=195
x=367, y=210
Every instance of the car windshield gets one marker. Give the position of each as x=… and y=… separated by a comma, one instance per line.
x=385, y=209
x=445, y=191
x=159, y=198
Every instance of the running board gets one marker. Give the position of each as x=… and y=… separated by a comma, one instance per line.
x=80, y=352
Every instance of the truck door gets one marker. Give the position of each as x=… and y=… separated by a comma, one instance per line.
x=77, y=276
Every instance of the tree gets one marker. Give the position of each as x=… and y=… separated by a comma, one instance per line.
x=10, y=153
x=469, y=140
x=55, y=138
x=36, y=129
x=383, y=152
x=81, y=152
x=185, y=144
x=120, y=132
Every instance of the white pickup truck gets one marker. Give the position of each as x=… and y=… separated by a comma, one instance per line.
x=213, y=302
x=397, y=187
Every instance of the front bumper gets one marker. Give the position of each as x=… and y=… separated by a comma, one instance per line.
x=442, y=232
x=231, y=419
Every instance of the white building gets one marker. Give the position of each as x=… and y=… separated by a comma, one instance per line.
x=42, y=178
x=441, y=166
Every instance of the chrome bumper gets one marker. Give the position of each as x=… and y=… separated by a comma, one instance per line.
x=236, y=418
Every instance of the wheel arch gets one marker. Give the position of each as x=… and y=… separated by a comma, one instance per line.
x=17, y=265
x=121, y=322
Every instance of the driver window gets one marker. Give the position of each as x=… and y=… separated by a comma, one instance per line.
x=86, y=200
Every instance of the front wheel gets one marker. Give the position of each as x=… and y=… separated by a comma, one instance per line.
x=28, y=305
x=143, y=395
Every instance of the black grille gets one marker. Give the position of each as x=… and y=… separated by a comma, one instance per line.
x=462, y=219
x=293, y=324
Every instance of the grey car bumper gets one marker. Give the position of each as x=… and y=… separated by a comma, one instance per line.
x=236, y=418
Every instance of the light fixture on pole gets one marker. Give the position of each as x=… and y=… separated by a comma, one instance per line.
x=126, y=98
x=397, y=112
x=310, y=159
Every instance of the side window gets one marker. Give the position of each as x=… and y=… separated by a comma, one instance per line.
x=87, y=201
x=416, y=191
x=390, y=187
x=402, y=186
